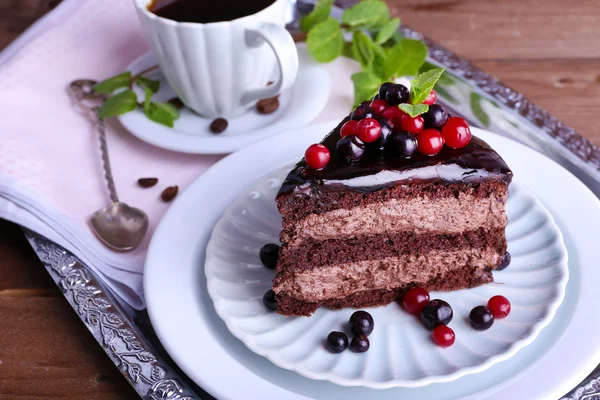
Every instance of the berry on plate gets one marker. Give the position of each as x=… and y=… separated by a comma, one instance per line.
x=435, y=313
x=336, y=342
x=269, y=300
x=361, y=323
x=443, y=336
x=481, y=318
x=317, y=156
x=430, y=142
x=504, y=262
x=415, y=300
x=360, y=344
x=269, y=254
x=500, y=306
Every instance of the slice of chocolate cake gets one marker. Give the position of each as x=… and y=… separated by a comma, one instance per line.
x=364, y=222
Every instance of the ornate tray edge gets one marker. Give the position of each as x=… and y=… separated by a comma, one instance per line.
x=108, y=322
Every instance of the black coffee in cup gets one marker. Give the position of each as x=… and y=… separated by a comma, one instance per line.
x=206, y=11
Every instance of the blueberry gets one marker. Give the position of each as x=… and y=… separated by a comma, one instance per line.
x=336, y=342
x=350, y=147
x=362, y=111
x=504, y=262
x=436, y=117
x=387, y=128
x=269, y=254
x=436, y=312
x=481, y=318
x=402, y=144
x=397, y=94
x=383, y=90
x=269, y=300
x=360, y=344
x=361, y=323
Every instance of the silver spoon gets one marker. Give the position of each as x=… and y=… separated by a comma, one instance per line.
x=118, y=225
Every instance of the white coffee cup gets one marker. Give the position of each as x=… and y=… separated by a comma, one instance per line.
x=220, y=69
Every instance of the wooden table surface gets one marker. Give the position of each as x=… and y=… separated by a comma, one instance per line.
x=547, y=49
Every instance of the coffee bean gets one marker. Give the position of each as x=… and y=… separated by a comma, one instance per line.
x=147, y=182
x=169, y=193
x=268, y=106
x=218, y=125
x=176, y=102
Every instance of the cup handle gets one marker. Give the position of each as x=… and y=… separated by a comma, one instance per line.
x=282, y=43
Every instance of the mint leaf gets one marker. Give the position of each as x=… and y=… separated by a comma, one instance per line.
x=423, y=84
x=477, y=109
x=148, y=93
x=113, y=83
x=367, y=14
x=405, y=58
x=118, y=104
x=149, y=83
x=363, y=49
x=366, y=85
x=319, y=14
x=162, y=113
x=325, y=41
x=414, y=110
x=387, y=31
x=446, y=79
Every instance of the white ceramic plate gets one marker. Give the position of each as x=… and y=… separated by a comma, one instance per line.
x=401, y=353
x=184, y=318
x=299, y=105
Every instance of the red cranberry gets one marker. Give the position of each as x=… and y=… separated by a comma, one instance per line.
x=368, y=130
x=456, y=133
x=379, y=106
x=393, y=114
x=317, y=156
x=415, y=299
x=443, y=336
x=412, y=125
x=349, y=128
x=430, y=142
x=431, y=98
x=500, y=306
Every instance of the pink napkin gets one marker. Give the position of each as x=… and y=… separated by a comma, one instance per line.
x=50, y=168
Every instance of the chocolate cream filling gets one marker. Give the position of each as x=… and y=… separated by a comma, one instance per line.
x=448, y=215
x=341, y=280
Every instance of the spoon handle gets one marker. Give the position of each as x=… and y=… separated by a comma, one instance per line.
x=110, y=182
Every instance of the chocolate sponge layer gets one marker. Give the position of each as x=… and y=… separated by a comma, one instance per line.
x=465, y=278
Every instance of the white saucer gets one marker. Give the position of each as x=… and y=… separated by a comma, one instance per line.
x=402, y=353
x=187, y=325
x=299, y=105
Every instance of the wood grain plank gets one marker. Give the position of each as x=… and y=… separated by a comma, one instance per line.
x=507, y=29
x=568, y=89
x=46, y=352
x=20, y=268
x=17, y=15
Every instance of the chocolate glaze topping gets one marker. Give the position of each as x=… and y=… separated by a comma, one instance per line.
x=379, y=170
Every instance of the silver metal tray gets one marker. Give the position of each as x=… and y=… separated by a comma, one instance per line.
x=127, y=336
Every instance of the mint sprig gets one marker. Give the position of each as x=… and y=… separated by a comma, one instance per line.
x=376, y=44
x=124, y=101
x=421, y=86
